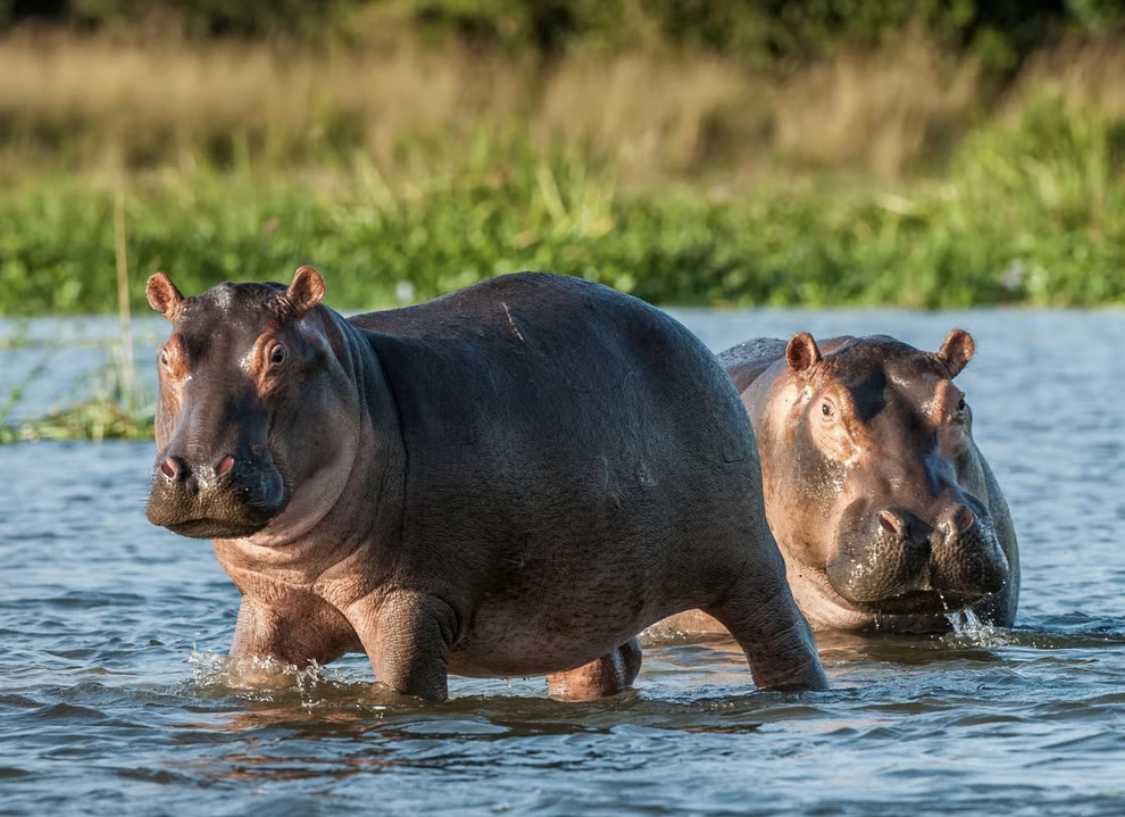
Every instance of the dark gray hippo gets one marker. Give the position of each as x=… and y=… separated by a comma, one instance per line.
x=887, y=513
x=514, y=479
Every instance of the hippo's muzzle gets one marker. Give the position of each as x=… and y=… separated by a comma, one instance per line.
x=230, y=498
x=893, y=559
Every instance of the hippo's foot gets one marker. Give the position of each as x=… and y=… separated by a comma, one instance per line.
x=608, y=675
x=385, y=696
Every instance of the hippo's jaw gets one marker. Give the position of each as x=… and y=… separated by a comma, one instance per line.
x=916, y=611
x=218, y=509
x=932, y=589
x=919, y=607
x=884, y=565
x=193, y=526
x=919, y=602
x=214, y=529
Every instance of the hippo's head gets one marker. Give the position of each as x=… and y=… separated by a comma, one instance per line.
x=249, y=387
x=872, y=479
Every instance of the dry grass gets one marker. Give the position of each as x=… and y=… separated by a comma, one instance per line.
x=662, y=114
x=95, y=102
x=1086, y=73
x=649, y=115
x=885, y=111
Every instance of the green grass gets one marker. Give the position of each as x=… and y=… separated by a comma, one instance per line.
x=117, y=409
x=92, y=420
x=1030, y=214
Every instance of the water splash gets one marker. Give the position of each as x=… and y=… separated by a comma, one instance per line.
x=967, y=628
x=258, y=678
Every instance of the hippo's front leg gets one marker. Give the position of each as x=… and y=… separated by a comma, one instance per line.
x=301, y=633
x=407, y=636
x=608, y=675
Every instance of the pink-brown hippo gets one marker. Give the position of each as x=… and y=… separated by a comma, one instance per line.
x=886, y=512
x=514, y=479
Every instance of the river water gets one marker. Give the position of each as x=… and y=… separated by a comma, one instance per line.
x=115, y=698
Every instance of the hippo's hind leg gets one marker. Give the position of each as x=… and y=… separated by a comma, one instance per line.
x=608, y=675
x=772, y=632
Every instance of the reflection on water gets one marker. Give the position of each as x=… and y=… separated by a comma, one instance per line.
x=115, y=696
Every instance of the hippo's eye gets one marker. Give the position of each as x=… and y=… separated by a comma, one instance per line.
x=826, y=409
x=278, y=355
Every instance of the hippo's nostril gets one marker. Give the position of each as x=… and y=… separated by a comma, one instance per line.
x=956, y=522
x=173, y=468
x=225, y=465
x=892, y=523
x=964, y=519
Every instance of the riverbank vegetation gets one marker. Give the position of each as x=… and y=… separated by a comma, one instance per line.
x=117, y=408
x=838, y=152
x=833, y=153
x=1031, y=212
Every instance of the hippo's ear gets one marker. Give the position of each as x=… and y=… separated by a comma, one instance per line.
x=956, y=351
x=163, y=296
x=305, y=291
x=802, y=352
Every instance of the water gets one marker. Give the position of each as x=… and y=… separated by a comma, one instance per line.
x=115, y=698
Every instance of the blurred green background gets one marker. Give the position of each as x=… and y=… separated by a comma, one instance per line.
x=830, y=152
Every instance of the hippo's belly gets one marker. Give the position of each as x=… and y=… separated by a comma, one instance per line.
x=517, y=640
x=593, y=564
x=568, y=599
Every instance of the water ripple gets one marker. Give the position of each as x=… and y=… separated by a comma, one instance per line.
x=116, y=697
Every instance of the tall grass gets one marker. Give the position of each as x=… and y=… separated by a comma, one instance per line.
x=118, y=407
x=653, y=115
x=1031, y=212
x=888, y=177
x=901, y=176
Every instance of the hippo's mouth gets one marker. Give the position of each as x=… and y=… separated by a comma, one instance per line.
x=225, y=514
x=215, y=528
x=920, y=602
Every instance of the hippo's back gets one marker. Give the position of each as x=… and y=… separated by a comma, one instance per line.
x=749, y=359
x=502, y=307
x=564, y=440
x=567, y=359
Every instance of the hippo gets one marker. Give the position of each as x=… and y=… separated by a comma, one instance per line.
x=514, y=479
x=887, y=514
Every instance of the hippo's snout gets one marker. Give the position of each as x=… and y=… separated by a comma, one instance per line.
x=968, y=557
x=229, y=497
x=892, y=556
x=176, y=469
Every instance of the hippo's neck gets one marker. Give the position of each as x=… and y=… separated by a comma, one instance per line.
x=325, y=539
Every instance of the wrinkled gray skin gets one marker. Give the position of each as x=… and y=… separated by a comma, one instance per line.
x=885, y=510
x=515, y=479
